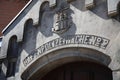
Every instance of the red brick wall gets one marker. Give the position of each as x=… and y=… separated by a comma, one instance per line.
x=8, y=10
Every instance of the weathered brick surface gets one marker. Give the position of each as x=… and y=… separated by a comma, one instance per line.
x=8, y=10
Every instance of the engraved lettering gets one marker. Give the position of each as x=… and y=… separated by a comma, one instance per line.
x=98, y=42
x=81, y=39
x=104, y=43
x=92, y=40
x=84, y=39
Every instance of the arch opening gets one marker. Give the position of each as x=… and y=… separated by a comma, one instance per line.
x=57, y=58
x=83, y=70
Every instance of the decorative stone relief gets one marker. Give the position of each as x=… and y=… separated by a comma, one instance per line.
x=62, y=20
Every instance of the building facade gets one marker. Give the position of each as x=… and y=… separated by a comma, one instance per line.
x=63, y=40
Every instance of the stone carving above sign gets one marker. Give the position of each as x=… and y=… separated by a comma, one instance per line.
x=62, y=20
x=84, y=39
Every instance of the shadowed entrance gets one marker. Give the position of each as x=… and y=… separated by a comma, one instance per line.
x=80, y=71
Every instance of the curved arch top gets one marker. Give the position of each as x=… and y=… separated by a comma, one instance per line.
x=5, y=45
x=63, y=56
x=52, y=2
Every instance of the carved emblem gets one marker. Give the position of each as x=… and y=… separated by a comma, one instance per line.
x=62, y=21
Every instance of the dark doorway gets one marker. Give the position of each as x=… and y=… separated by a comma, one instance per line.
x=80, y=71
